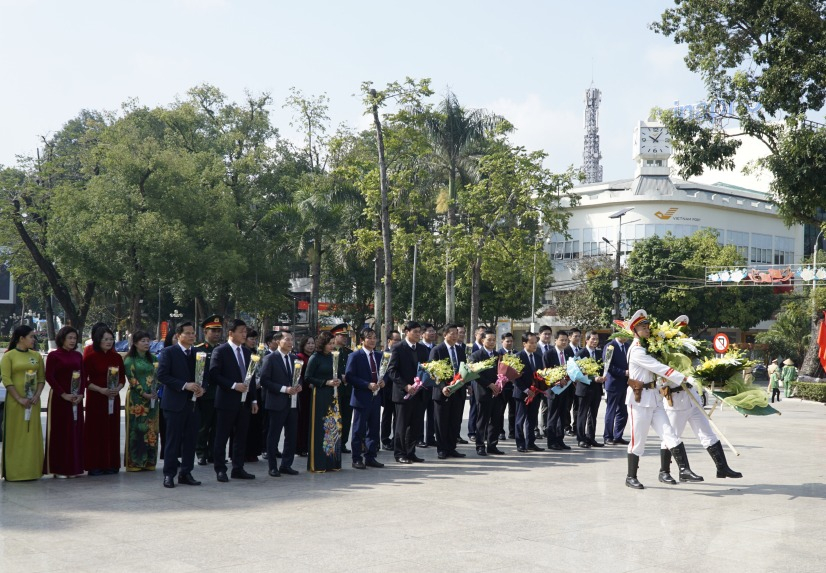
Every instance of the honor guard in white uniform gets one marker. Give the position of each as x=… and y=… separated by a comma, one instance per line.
x=645, y=408
x=681, y=409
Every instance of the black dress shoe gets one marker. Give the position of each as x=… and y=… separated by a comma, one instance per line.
x=187, y=479
x=554, y=446
x=502, y=436
x=241, y=473
x=569, y=433
x=278, y=453
x=344, y=450
x=511, y=437
x=461, y=441
x=595, y=444
x=265, y=456
x=535, y=448
x=496, y=452
x=433, y=443
x=564, y=446
x=168, y=481
x=481, y=452
x=388, y=447
x=274, y=473
x=621, y=441
x=610, y=443
x=288, y=471
x=633, y=483
x=455, y=454
x=222, y=477
x=421, y=444
x=584, y=445
x=202, y=461
x=373, y=464
x=471, y=438
x=403, y=460
x=522, y=450
x=441, y=455
x=359, y=465
x=415, y=458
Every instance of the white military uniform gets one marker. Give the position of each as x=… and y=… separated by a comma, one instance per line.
x=685, y=410
x=649, y=412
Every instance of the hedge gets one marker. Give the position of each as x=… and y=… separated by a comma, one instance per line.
x=815, y=391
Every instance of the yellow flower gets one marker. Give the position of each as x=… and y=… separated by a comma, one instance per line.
x=255, y=358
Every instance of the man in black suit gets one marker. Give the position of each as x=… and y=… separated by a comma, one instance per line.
x=404, y=364
x=479, y=335
x=228, y=370
x=176, y=371
x=569, y=418
x=509, y=403
x=560, y=403
x=589, y=396
x=526, y=414
x=341, y=341
x=616, y=385
x=281, y=403
x=544, y=344
x=213, y=330
x=388, y=413
x=428, y=435
x=448, y=410
x=363, y=373
x=486, y=394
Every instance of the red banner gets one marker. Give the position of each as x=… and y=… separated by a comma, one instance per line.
x=821, y=341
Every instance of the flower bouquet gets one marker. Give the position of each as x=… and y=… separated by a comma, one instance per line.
x=297, y=366
x=200, y=365
x=556, y=378
x=385, y=362
x=482, y=365
x=252, y=370
x=75, y=391
x=510, y=366
x=29, y=388
x=112, y=379
x=440, y=371
x=336, y=354
x=464, y=376
x=728, y=372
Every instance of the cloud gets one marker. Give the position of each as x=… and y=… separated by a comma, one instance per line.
x=665, y=58
x=202, y=5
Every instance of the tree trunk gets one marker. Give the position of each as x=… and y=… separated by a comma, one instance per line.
x=377, y=296
x=135, y=318
x=47, y=299
x=476, y=280
x=385, y=219
x=811, y=363
x=450, y=277
x=315, y=285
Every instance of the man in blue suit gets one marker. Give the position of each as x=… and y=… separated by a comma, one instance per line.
x=527, y=414
x=362, y=373
x=176, y=371
x=616, y=385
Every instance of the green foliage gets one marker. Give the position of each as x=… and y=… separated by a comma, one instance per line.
x=815, y=391
x=773, y=53
x=790, y=335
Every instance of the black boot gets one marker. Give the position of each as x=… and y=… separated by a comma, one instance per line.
x=719, y=457
x=682, y=462
x=633, y=464
x=665, y=467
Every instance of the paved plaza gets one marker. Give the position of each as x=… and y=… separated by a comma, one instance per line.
x=559, y=511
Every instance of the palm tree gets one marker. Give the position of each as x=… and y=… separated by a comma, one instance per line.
x=456, y=134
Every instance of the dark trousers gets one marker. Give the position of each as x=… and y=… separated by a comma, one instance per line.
x=616, y=415
x=346, y=411
x=407, y=427
x=287, y=420
x=487, y=411
x=181, y=434
x=388, y=415
x=497, y=416
x=255, y=435
x=235, y=422
x=445, y=439
x=586, y=421
x=366, y=422
x=472, y=414
x=558, y=405
x=457, y=413
x=526, y=418
x=206, y=433
x=428, y=423
x=775, y=394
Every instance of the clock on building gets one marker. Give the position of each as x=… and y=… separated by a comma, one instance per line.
x=651, y=140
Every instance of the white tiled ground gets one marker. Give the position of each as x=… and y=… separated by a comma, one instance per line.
x=560, y=511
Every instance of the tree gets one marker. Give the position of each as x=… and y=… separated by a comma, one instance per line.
x=588, y=305
x=456, y=134
x=789, y=336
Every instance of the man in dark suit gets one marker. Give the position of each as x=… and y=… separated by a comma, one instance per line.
x=448, y=410
x=388, y=413
x=213, y=330
x=544, y=344
x=404, y=363
x=479, y=335
x=486, y=394
x=589, y=396
x=616, y=385
x=341, y=340
x=428, y=435
x=569, y=418
x=228, y=370
x=362, y=372
x=281, y=403
x=560, y=403
x=509, y=403
x=526, y=414
x=176, y=371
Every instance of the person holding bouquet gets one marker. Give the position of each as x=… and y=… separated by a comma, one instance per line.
x=105, y=377
x=306, y=347
x=341, y=344
x=140, y=451
x=523, y=390
x=325, y=423
x=205, y=446
x=64, y=426
x=403, y=368
x=362, y=371
x=486, y=394
x=589, y=396
x=507, y=393
x=24, y=376
x=558, y=404
x=447, y=408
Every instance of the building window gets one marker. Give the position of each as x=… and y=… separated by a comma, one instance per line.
x=562, y=248
x=761, y=249
x=740, y=240
x=592, y=243
x=783, y=251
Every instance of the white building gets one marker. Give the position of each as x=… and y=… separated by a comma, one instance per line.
x=660, y=204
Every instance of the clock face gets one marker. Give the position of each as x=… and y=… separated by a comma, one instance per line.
x=654, y=141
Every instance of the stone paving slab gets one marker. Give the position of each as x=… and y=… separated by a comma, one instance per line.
x=549, y=511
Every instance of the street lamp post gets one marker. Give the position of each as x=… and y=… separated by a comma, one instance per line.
x=616, y=284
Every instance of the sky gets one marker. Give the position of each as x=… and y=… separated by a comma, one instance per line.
x=530, y=61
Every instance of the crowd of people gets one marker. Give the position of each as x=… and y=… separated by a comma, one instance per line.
x=194, y=403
